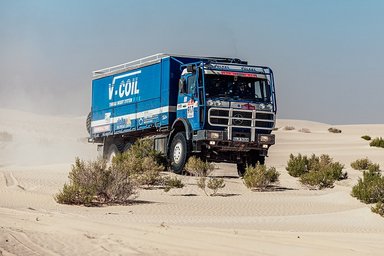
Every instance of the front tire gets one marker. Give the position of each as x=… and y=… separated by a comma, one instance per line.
x=241, y=169
x=178, y=152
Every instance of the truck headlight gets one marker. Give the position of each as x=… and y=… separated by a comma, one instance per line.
x=262, y=106
x=267, y=139
x=264, y=138
x=214, y=135
x=269, y=106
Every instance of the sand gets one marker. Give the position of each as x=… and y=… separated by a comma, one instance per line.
x=293, y=220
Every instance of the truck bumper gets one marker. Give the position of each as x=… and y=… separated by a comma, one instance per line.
x=218, y=140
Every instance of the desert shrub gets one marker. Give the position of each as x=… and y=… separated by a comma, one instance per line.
x=202, y=184
x=202, y=170
x=305, y=130
x=378, y=208
x=361, y=164
x=5, y=137
x=215, y=184
x=366, y=137
x=170, y=183
x=297, y=165
x=377, y=142
x=289, y=128
x=144, y=148
x=260, y=177
x=198, y=167
x=334, y=130
x=370, y=188
x=93, y=183
x=374, y=168
x=315, y=172
x=317, y=179
x=141, y=163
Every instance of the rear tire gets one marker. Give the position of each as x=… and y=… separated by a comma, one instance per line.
x=88, y=123
x=127, y=146
x=111, y=153
x=178, y=152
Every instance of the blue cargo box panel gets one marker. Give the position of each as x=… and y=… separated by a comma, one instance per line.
x=133, y=100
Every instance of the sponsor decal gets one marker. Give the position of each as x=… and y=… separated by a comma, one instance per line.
x=101, y=128
x=248, y=106
x=123, y=123
x=124, y=86
x=190, y=109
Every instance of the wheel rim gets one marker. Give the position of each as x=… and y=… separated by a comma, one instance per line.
x=177, y=152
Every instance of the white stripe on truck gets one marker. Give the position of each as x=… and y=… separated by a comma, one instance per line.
x=146, y=113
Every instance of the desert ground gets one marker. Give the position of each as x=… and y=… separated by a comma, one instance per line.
x=293, y=220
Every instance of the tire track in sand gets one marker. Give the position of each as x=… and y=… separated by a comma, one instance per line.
x=18, y=243
x=11, y=181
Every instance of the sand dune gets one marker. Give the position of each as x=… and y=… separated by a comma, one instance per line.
x=291, y=221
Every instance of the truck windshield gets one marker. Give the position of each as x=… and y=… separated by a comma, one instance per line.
x=237, y=88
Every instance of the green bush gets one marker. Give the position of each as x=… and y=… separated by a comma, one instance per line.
x=318, y=179
x=377, y=142
x=202, y=170
x=95, y=183
x=198, y=167
x=374, y=168
x=297, y=165
x=170, y=183
x=141, y=163
x=378, y=208
x=370, y=188
x=92, y=183
x=215, y=184
x=334, y=130
x=260, y=177
x=315, y=172
x=366, y=137
x=361, y=164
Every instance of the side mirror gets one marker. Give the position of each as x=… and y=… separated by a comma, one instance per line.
x=182, y=85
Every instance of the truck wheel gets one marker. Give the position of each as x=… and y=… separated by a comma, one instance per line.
x=88, y=123
x=111, y=153
x=127, y=146
x=178, y=152
x=241, y=169
x=260, y=159
x=254, y=158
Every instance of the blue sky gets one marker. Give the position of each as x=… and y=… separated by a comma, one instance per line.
x=327, y=56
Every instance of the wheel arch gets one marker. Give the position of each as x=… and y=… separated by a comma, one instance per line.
x=181, y=124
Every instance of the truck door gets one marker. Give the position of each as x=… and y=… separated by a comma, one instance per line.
x=188, y=100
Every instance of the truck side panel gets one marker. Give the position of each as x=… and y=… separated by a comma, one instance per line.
x=129, y=101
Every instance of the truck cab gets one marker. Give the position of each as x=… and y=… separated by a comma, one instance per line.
x=230, y=108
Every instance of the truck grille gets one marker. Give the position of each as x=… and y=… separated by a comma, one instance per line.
x=256, y=121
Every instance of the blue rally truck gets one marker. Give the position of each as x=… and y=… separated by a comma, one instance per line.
x=220, y=109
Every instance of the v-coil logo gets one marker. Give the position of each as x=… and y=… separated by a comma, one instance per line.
x=128, y=86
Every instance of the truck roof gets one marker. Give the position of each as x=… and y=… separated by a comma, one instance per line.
x=155, y=59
